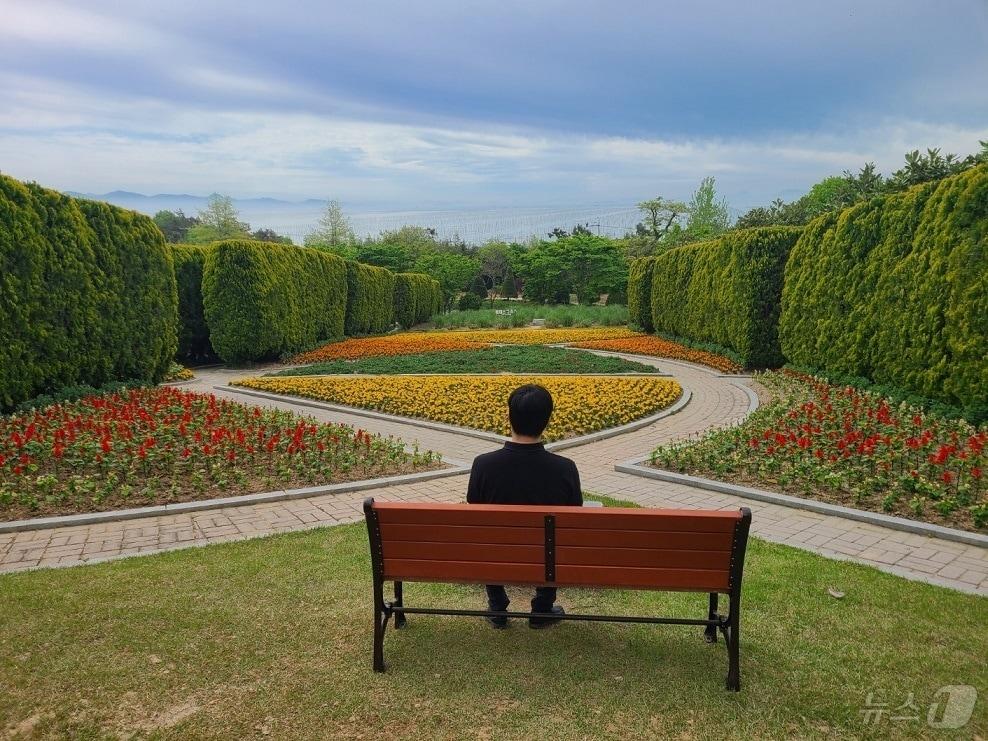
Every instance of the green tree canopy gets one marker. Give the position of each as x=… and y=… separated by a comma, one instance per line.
x=218, y=220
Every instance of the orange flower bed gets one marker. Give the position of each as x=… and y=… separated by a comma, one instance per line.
x=661, y=348
x=395, y=344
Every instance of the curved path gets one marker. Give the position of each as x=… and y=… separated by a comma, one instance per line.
x=716, y=401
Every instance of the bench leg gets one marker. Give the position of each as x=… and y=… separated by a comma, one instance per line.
x=732, y=636
x=710, y=632
x=380, y=622
x=399, y=616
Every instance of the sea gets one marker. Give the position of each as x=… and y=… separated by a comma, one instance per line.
x=296, y=219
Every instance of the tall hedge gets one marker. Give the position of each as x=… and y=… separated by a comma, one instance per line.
x=263, y=299
x=895, y=290
x=87, y=294
x=640, y=292
x=726, y=291
x=370, y=299
x=404, y=300
x=193, y=332
x=414, y=298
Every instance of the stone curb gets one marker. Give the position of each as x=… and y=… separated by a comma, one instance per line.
x=635, y=468
x=91, y=518
x=591, y=437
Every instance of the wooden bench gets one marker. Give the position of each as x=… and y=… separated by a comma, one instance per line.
x=649, y=549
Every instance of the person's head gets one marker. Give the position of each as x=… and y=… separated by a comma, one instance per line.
x=529, y=409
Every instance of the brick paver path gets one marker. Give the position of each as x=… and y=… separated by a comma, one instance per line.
x=716, y=401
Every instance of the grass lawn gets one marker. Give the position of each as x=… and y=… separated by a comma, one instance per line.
x=488, y=360
x=273, y=636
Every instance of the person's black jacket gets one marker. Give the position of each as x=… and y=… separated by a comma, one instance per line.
x=524, y=474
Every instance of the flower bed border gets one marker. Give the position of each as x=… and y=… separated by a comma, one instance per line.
x=454, y=468
x=636, y=467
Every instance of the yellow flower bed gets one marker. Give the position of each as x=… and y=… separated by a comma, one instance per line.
x=536, y=336
x=583, y=404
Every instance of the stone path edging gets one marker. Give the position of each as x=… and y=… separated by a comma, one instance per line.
x=456, y=468
x=636, y=468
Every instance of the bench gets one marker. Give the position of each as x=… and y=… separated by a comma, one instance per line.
x=647, y=549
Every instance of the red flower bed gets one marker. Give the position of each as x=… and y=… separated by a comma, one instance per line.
x=857, y=448
x=161, y=445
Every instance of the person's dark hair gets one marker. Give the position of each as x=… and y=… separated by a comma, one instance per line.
x=529, y=409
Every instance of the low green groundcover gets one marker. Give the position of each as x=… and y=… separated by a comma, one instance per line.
x=509, y=359
x=273, y=637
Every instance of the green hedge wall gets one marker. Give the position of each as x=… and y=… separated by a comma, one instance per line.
x=370, y=299
x=416, y=298
x=895, y=290
x=87, y=294
x=404, y=301
x=726, y=291
x=262, y=300
x=193, y=332
x=640, y=292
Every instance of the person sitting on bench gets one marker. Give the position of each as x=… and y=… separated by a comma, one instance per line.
x=524, y=472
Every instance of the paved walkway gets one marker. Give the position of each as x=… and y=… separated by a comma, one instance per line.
x=716, y=401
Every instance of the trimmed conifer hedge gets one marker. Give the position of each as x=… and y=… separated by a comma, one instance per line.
x=262, y=300
x=87, y=294
x=895, y=290
x=404, y=301
x=193, y=332
x=414, y=298
x=640, y=293
x=370, y=299
x=726, y=291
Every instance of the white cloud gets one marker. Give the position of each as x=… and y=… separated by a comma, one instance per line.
x=66, y=138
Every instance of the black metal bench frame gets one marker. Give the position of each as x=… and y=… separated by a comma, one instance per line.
x=728, y=625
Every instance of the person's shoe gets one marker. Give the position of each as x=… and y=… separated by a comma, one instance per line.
x=546, y=622
x=496, y=621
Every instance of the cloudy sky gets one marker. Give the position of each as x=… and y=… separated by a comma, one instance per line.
x=457, y=103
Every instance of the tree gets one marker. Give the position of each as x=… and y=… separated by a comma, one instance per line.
x=708, y=216
x=174, y=225
x=394, y=257
x=454, y=272
x=509, y=289
x=659, y=215
x=586, y=265
x=478, y=286
x=218, y=220
x=333, y=228
x=269, y=235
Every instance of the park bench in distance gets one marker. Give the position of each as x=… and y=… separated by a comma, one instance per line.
x=649, y=549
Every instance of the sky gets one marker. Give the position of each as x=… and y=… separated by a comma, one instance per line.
x=455, y=103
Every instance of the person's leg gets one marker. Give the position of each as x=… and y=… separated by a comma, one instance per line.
x=544, y=599
x=497, y=600
x=497, y=597
x=543, y=602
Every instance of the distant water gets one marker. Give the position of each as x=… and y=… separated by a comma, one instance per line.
x=296, y=219
x=473, y=227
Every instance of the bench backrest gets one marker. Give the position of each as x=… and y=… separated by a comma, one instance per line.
x=667, y=549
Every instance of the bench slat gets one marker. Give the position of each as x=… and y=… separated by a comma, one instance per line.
x=431, y=551
x=642, y=557
x=472, y=515
x=693, y=580
x=645, y=539
x=649, y=520
x=654, y=520
x=464, y=571
x=464, y=534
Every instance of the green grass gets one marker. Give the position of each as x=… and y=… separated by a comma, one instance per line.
x=274, y=635
x=554, y=315
x=489, y=360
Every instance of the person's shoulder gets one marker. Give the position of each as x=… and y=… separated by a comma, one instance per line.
x=486, y=459
x=561, y=461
